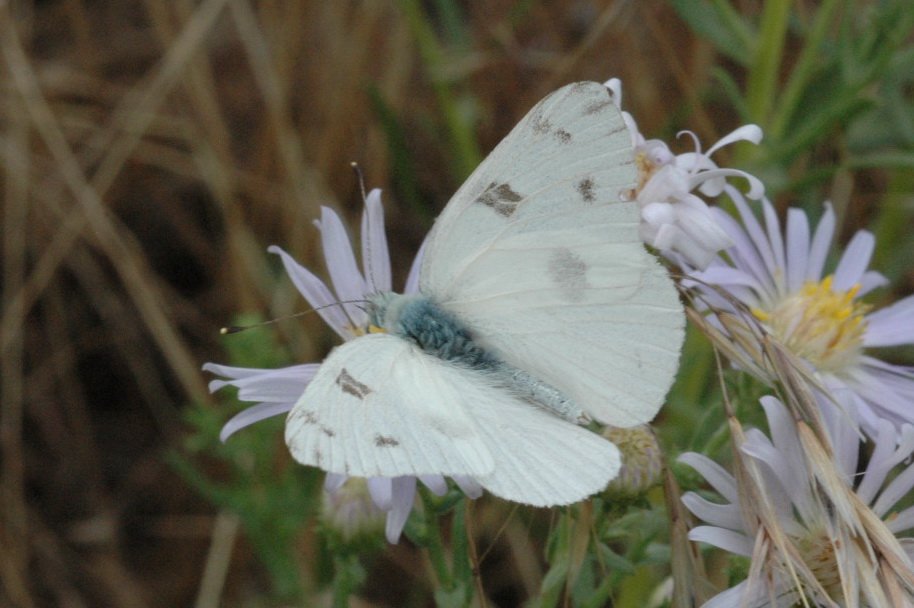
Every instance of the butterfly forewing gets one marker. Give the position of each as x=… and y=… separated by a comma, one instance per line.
x=538, y=254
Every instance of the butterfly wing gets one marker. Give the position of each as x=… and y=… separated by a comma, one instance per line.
x=542, y=260
x=378, y=406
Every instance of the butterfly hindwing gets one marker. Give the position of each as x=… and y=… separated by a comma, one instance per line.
x=380, y=407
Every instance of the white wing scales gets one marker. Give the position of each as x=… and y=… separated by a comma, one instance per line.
x=573, y=141
x=397, y=411
x=541, y=260
x=380, y=407
x=546, y=267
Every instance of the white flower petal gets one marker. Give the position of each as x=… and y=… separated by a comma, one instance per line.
x=251, y=415
x=334, y=481
x=821, y=243
x=854, y=261
x=375, y=254
x=435, y=483
x=880, y=464
x=404, y=493
x=713, y=473
x=348, y=282
x=751, y=133
x=728, y=540
x=468, y=486
x=316, y=293
x=271, y=385
x=722, y=516
x=892, y=325
x=797, y=248
x=412, y=281
x=870, y=281
x=381, y=491
x=895, y=491
x=901, y=523
x=773, y=229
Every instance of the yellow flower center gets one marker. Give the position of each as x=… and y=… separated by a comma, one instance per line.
x=818, y=553
x=822, y=325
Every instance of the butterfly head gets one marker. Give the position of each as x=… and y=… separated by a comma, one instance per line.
x=384, y=311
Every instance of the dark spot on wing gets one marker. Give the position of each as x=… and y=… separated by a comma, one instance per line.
x=306, y=416
x=597, y=106
x=540, y=124
x=385, y=441
x=350, y=385
x=569, y=271
x=585, y=188
x=500, y=197
x=317, y=456
x=563, y=136
x=327, y=431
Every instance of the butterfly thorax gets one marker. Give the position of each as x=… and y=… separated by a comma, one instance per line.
x=418, y=319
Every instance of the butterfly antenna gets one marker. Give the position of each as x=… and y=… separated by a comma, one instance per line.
x=360, y=177
x=234, y=329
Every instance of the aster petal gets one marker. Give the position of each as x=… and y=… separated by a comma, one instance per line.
x=253, y=414
x=348, y=282
x=728, y=540
x=727, y=277
x=901, y=522
x=751, y=133
x=876, y=470
x=381, y=491
x=855, y=260
x=762, y=245
x=870, y=281
x=334, y=481
x=404, y=493
x=469, y=486
x=744, y=253
x=741, y=596
x=316, y=293
x=435, y=483
x=892, y=325
x=797, y=248
x=412, y=280
x=722, y=516
x=885, y=388
x=713, y=182
x=269, y=385
x=773, y=227
x=714, y=474
x=375, y=253
x=895, y=491
x=821, y=243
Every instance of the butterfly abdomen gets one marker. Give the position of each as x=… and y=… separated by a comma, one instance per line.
x=440, y=334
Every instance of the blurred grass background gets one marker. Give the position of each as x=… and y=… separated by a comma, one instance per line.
x=151, y=151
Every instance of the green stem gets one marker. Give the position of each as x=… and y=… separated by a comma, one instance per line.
x=766, y=60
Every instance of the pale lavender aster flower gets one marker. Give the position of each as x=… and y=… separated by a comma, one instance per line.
x=277, y=390
x=812, y=526
x=817, y=315
x=673, y=218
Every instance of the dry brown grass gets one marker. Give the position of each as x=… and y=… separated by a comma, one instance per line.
x=151, y=151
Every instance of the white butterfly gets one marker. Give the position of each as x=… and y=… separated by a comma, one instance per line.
x=539, y=307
